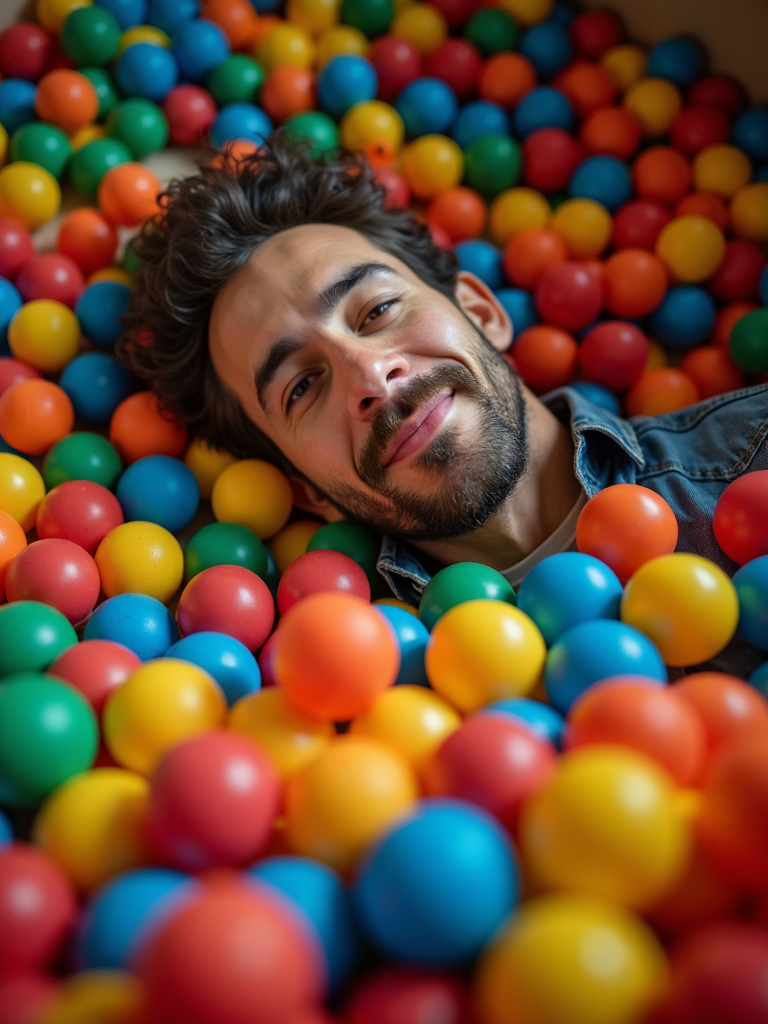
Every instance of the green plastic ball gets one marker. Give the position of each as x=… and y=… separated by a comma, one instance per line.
x=316, y=129
x=90, y=35
x=32, y=635
x=48, y=733
x=89, y=164
x=456, y=584
x=238, y=79
x=224, y=544
x=372, y=17
x=105, y=87
x=82, y=456
x=43, y=144
x=492, y=164
x=131, y=259
x=749, y=341
x=140, y=125
x=492, y=31
x=352, y=540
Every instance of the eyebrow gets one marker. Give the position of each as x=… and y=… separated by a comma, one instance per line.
x=324, y=305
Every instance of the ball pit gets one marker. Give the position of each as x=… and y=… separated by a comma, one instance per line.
x=192, y=673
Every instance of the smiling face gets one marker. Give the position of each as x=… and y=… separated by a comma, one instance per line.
x=382, y=392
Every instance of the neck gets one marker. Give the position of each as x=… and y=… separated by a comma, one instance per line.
x=542, y=499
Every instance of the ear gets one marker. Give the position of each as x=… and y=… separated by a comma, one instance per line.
x=308, y=499
x=484, y=310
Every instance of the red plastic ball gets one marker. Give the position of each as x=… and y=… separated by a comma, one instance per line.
x=587, y=85
x=96, y=668
x=635, y=282
x=191, y=112
x=26, y=51
x=397, y=63
x=212, y=802
x=227, y=599
x=569, y=296
x=266, y=666
x=740, y=521
x=455, y=12
x=80, y=511
x=530, y=253
x=26, y=997
x=398, y=191
x=14, y=370
x=703, y=204
x=638, y=224
x=87, y=238
x=550, y=156
x=320, y=572
x=399, y=995
x=694, y=128
x=238, y=954
x=738, y=276
x=545, y=357
x=729, y=709
x=614, y=354
x=661, y=173
x=460, y=212
x=16, y=247
x=37, y=908
x=50, y=275
x=55, y=572
x=712, y=370
x=457, y=62
x=726, y=319
x=612, y=131
x=594, y=32
x=719, y=91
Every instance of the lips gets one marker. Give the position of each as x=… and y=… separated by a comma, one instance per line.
x=418, y=428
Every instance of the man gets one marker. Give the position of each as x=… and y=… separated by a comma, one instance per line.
x=283, y=313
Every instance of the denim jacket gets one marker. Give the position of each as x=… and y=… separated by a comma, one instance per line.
x=688, y=457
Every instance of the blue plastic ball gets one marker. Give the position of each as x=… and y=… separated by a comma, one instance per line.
x=596, y=650
x=543, y=107
x=562, y=14
x=437, y=886
x=159, y=489
x=598, y=395
x=6, y=832
x=266, y=6
x=199, y=46
x=127, y=12
x=241, y=121
x=226, y=659
x=10, y=303
x=139, y=622
x=684, y=317
x=17, y=103
x=99, y=309
x=677, y=59
x=412, y=639
x=540, y=718
x=761, y=174
x=428, y=106
x=344, y=81
x=478, y=119
x=321, y=898
x=751, y=583
x=764, y=286
x=519, y=306
x=167, y=15
x=96, y=384
x=750, y=133
x=482, y=259
x=602, y=178
x=122, y=914
x=548, y=47
x=759, y=679
x=146, y=70
x=568, y=588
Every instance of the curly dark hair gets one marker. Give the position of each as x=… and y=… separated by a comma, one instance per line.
x=209, y=226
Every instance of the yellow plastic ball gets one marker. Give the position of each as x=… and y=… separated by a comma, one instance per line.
x=21, y=489
x=96, y=997
x=422, y=25
x=656, y=102
x=412, y=720
x=53, y=13
x=432, y=165
x=395, y=602
x=3, y=144
x=29, y=193
x=685, y=604
x=286, y=44
x=313, y=15
x=372, y=123
x=88, y=133
x=657, y=355
x=140, y=558
x=721, y=169
x=45, y=333
x=606, y=825
x=350, y=794
x=571, y=960
x=291, y=740
x=528, y=12
x=691, y=248
x=291, y=542
x=92, y=825
x=143, y=34
x=584, y=225
x=207, y=464
x=160, y=705
x=749, y=212
x=339, y=40
x=515, y=210
x=255, y=494
x=625, y=64
x=116, y=274
x=481, y=651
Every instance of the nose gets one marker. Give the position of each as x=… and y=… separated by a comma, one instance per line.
x=368, y=377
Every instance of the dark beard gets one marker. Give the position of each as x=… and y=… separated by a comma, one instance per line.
x=475, y=482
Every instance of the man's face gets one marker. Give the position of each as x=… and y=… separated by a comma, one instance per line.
x=376, y=387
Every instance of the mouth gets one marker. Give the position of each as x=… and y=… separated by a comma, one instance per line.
x=419, y=429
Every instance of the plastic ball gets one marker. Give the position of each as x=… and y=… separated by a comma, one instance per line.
x=492, y=30
x=655, y=102
x=530, y=253
x=738, y=275
x=139, y=123
x=96, y=384
x=542, y=107
x=588, y=86
x=29, y=194
x=427, y=106
x=584, y=225
x=291, y=739
x=95, y=668
x=340, y=39
x=663, y=389
x=146, y=70
x=752, y=592
x=33, y=635
x=140, y=558
x=598, y=394
x=82, y=456
x=569, y=295
x=91, y=162
x=548, y=47
x=421, y=24
x=703, y=204
x=291, y=542
x=321, y=572
x=459, y=583
x=722, y=169
x=677, y=59
x=612, y=131
x=139, y=428
x=738, y=521
x=684, y=317
x=545, y=357
x=42, y=144
x=404, y=994
x=80, y=511
x=206, y=463
x=431, y=165
x=460, y=212
x=67, y=99
x=371, y=123
x=749, y=132
x=138, y=622
x=696, y=128
x=252, y=493
x=50, y=275
x=16, y=246
x=457, y=62
x=224, y=658
x=99, y=308
x=21, y=489
x=286, y=43
x=516, y=210
x=481, y=259
x=315, y=129
x=227, y=599
x=614, y=354
x=493, y=163
x=749, y=212
x=539, y=719
x=55, y=572
x=661, y=173
x=224, y=544
x=638, y=224
x=159, y=490
x=505, y=78
x=396, y=62
x=90, y=36
x=127, y=194
x=34, y=414
x=635, y=282
x=712, y=371
x=26, y=51
x=691, y=248
x=102, y=82
x=199, y=46
x=519, y=306
x=288, y=90
x=12, y=541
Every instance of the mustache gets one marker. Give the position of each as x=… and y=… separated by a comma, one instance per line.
x=410, y=397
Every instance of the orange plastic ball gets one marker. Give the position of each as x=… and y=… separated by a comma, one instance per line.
x=712, y=370
x=635, y=282
x=460, y=212
x=67, y=99
x=237, y=18
x=727, y=318
x=587, y=86
x=506, y=78
x=138, y=428
x=660, y=391
x=729, y=709
x=128, y=194
x=12, y=540
x=288, y=90
x=703, y=204
x=611, y=131
x=233, y=152
x=662, y=173
x=87, y=238
x=528, y=254
x=545, y=357
x=34, y=414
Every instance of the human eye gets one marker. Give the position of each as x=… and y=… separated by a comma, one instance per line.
x=377, y=311
x=300, y=389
